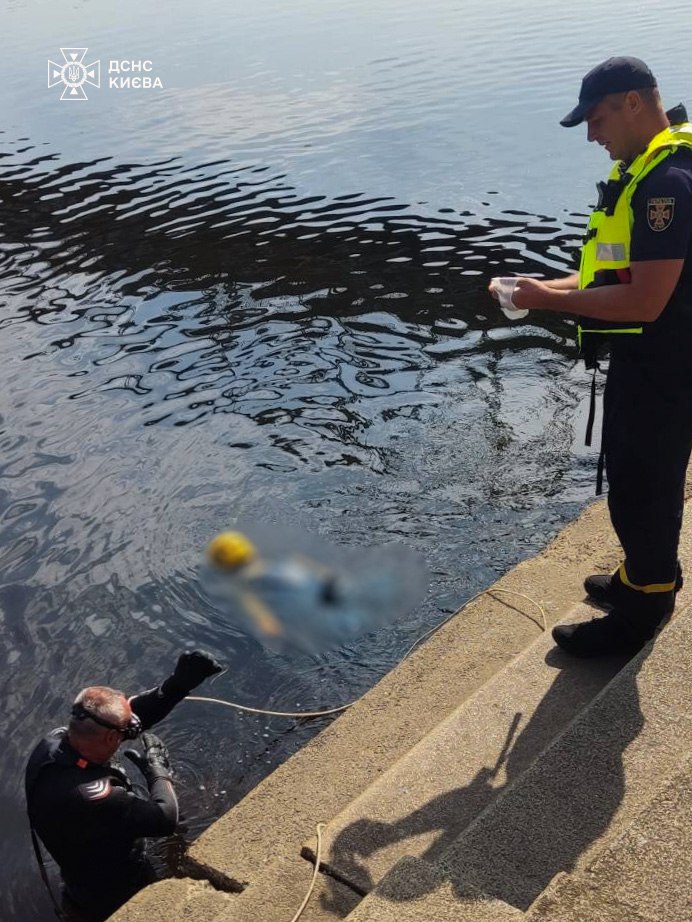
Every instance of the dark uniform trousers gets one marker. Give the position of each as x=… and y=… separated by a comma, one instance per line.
x=647, y=438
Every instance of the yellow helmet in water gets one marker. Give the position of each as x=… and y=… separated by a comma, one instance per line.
x=231, y=549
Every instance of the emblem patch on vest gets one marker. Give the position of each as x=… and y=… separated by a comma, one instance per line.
x=659, y=213
x=95, y=790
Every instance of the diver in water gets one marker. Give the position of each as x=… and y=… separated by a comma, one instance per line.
x=82, y=802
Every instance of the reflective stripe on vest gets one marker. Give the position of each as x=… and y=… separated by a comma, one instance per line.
x=583, y=331
x=610, y=252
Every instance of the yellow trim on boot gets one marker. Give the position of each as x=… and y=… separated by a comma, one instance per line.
x=649, y=587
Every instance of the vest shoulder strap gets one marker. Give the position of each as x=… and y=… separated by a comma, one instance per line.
x=666, y=142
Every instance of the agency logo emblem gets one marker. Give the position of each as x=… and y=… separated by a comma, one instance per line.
x=660, y=213
x=74, y=73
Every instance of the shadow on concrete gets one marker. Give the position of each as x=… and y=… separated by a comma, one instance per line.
x=514, y=858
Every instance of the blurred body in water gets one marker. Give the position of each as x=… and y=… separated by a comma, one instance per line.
x=291, y=601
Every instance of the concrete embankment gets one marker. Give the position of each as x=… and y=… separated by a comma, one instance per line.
x=486, y=778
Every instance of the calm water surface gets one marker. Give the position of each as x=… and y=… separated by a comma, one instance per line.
x=259, y=293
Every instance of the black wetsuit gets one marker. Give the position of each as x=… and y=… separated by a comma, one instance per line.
x=647, y=431
x=92, y=818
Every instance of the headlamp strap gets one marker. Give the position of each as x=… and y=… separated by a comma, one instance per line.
x=130, y=732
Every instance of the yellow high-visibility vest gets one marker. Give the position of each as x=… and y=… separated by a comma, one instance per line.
x=609, y=231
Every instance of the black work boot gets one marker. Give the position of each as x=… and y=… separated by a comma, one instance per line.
x=607, y=590
x=625, y=629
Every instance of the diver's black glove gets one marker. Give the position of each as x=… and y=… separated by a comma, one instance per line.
x=193, y=668
x=154, y=763
x=190, y=670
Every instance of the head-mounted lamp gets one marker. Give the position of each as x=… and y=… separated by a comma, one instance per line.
x=130, y=732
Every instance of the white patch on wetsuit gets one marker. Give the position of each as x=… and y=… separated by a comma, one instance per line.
x=96, y=790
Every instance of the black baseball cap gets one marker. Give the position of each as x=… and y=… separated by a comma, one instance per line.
x=616, y=75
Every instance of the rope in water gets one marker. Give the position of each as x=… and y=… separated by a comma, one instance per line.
x=345, y=707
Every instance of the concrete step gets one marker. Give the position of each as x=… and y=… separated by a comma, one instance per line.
x=416, y=890
x=424, y=801
x=274, y=896
x=175, y=898
x=278, y=891
x=643, y=875
x=570, y=899
x=320, y=780
x=590, y=784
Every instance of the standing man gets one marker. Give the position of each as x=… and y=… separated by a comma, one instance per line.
x=84, y=806
x=634, y=291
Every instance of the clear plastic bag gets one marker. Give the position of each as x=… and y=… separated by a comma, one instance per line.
x=504, y=287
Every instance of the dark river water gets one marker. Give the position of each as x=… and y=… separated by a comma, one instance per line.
x=258, y=292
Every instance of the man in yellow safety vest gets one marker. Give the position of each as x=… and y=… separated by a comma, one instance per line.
x=633, y=292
